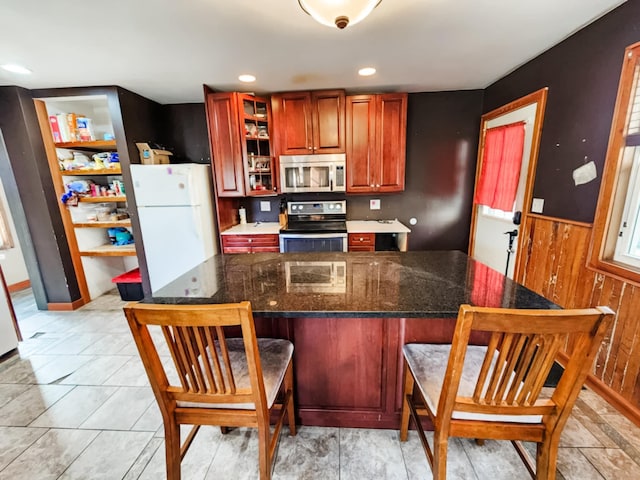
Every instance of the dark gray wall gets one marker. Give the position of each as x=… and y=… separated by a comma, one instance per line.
x=184, y=129
x=32, y=200
x=582, y=74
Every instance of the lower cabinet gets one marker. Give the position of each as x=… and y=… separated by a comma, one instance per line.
x=250, y=243
x=362, y=242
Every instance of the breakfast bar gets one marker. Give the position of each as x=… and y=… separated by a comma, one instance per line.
x=348, y=315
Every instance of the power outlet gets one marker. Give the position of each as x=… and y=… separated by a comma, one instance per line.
x=374, y=204
x=265, y=206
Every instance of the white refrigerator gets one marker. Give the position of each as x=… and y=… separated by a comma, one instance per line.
x=176, y=218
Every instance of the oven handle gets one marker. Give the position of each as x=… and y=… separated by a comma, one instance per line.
x=313, y=235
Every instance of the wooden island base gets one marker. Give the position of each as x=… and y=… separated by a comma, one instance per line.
x=348, y=371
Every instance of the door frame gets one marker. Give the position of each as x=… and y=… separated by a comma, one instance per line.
x=539, y=97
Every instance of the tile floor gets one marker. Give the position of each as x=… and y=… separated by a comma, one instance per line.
x=75, y=404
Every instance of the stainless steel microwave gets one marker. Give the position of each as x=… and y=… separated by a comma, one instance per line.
x=312, y=173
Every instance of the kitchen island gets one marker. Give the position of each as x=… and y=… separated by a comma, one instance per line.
x=348, y=315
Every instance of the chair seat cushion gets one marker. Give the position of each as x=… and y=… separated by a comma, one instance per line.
x=275, y=355
x=428, y=364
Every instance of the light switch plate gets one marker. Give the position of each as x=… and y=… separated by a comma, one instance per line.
x=374, y=204
x=265, y=206
x=537, y=205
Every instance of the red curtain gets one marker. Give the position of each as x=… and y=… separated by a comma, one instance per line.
x=488, y=286
x=501, y=162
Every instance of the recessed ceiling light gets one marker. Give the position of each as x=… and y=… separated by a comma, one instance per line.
x=366, y=71
x=247, y=78
x=10, y=67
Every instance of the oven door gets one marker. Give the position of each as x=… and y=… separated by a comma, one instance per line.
x=313, y=242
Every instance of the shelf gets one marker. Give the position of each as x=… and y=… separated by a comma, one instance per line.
x=255, y=137
x=87, y=171
x=107, y=224
x=95, y=145
x=259, y=172
x=102, y=199
x=110, y=251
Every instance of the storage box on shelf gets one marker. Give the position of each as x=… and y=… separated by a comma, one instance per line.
x=97, y=227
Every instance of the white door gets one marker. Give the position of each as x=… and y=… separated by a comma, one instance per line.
x=489, y=236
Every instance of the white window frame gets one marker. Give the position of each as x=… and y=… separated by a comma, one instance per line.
x=616, y=227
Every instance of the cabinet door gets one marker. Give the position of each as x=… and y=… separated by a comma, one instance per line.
x=259, y=163
x=328, y=121
x=292, y=120
x=224, y=136
x=362, y=242
x=391, y=142
x=362, y=158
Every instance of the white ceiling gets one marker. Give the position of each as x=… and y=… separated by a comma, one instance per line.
x=166, y=50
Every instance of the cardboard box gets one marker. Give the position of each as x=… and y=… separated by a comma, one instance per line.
x=152, y=156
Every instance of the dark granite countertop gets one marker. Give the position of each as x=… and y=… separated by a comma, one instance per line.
x=377, y=284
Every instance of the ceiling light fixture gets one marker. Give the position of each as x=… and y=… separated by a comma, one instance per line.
x=366, y=71
x=338, y=13
x=247, y=78
x=13, y=68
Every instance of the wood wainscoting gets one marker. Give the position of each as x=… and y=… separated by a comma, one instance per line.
x=553, y=264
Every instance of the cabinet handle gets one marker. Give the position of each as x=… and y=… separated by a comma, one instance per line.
x=378, y=185
x=250, y=240
x=361, y=239
x=310, y=148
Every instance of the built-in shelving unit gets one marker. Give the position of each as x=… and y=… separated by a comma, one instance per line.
x=89, y=224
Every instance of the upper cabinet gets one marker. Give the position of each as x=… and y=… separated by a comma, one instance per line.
x=309, y=122
x=240, y=137
x=376, y=142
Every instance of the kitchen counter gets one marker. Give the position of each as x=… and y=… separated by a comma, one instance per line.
x=375, y=284
x=376, y=226
x=265, y=228
x=348, y=315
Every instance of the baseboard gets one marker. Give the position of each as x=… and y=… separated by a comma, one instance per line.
x=63, y=307
x=617, y=401
x=613, y=398
x=16, y=287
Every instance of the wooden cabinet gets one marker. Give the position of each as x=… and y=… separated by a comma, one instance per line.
x=250, y=243
x=240, y=138
x=309, y=122
x=376, y=142
x=362, y=242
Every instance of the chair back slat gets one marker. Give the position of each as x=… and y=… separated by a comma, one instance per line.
x=521, y=350
x=226, y=361
x=196, y=340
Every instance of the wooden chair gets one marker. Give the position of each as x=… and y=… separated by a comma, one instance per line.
x=494, y=391
x=229, y=382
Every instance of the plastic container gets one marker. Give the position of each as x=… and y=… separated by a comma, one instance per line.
x=129, y=285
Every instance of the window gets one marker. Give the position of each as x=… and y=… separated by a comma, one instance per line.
x=6, y=241
x=616, y=231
